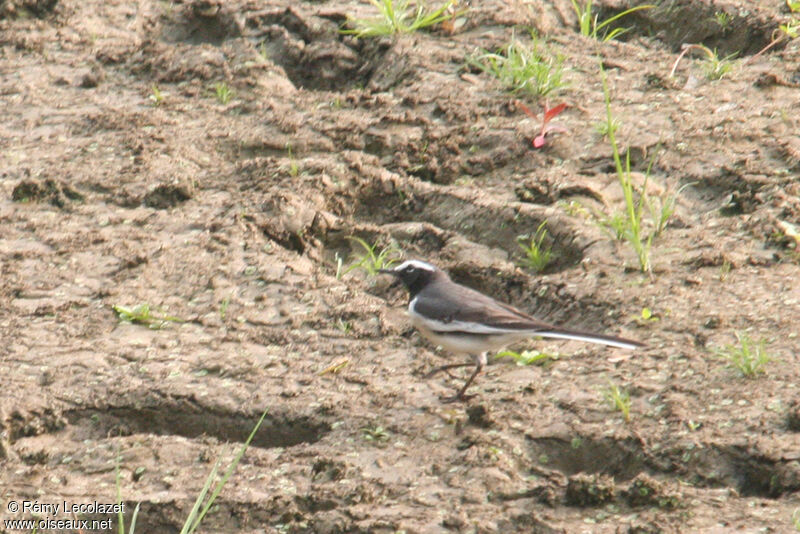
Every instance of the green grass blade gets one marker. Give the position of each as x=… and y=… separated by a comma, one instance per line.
x=132, y=527
x=228, y=473
x=190, y=524
x=613, y=34
x=618, y=16
x=633, y=211
x=118, y=477
x=584, y=16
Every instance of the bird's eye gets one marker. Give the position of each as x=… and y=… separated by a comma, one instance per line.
x=411, y=269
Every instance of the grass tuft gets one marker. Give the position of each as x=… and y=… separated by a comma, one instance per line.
x=723, y=19
x=223, y=92
x=630, y=225
x=522, y=68
x=619, y=400
x=748, y=357
x=662, y=210
x=632, y=230
x=371, y=261
x=294, y=169
x=399, y=16
x=603, y=127
x=142, y=314
x=714, y=67
x=157, y=96
x=590, y=27
x=376, y=434
x=537, y=254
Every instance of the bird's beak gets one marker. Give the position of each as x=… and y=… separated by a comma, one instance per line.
x=396, y=281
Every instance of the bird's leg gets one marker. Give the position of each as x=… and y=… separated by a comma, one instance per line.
x=445, y=368
x=480, y=361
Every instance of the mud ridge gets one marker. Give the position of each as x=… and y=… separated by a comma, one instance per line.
x=181, y=419
x=748, y=471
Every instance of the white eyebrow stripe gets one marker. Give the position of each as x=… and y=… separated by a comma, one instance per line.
x=415, y=263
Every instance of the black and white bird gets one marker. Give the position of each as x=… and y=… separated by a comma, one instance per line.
x=464, y=321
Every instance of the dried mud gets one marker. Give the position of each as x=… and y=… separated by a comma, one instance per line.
x=232, y=216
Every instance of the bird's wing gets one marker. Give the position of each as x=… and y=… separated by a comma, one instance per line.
x=458, y=309
x=455, y=308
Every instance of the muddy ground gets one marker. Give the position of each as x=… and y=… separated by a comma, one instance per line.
x=231, y=216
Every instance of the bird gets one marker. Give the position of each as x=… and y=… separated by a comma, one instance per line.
x=464, y=321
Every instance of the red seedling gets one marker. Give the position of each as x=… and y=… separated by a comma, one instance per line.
x=549, y=114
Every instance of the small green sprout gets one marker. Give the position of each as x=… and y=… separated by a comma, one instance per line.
x=339, y=266
x=749, y=357
x=619, y=400
x=791, y=29
x=573, y=208
x=714, y=67
x=120, y=514
x=723, y=19
x=294, y=170
x=141, y=314
x=662, y=211
x=537, y=254
x=724, y=269
x=527, y=357
x=399, y=16
x=376, y=434
x=157, y=97
x=343, y=326
x=371, y=262
x=223, y=92
x=523, y=69
x=604, y=127
x=647, y=317
x=223, y=307
x=615, y=225
x=589, y=26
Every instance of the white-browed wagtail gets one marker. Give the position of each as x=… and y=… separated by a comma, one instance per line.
x=464, y=321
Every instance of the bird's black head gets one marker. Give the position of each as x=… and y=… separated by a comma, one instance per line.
x=414, y=274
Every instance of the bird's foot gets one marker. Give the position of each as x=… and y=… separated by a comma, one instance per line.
x=446, y=369
x=456, y=398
